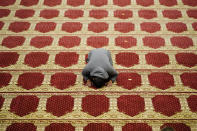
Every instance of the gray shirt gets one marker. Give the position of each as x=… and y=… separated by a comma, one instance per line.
x=99, y=64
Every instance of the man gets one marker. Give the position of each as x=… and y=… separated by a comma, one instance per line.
x=99, y=71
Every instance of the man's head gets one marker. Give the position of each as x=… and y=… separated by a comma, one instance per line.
x=98, y=82
x=99, y=76
x=167, y=129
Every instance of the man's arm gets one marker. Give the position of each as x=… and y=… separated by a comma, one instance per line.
x=89, y=55
x=110, y=59
x=86, y=73
x=113, y=74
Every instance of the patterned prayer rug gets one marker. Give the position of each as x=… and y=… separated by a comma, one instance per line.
x=43, y=48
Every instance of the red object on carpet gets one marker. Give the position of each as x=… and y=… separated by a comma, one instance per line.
x=125, y=41
x=8, y=58
x=150, y=27
x=192, y=13
x=63, y=80
x=49, y=14
x=168, y=2
x=134, y=104
x=74, y=14
x=75, y=3
x=41, y=41
x=24, y=13
x=1, y=25
x=98, y=3
x=176, y=27
x=189, y=79
x=166, y=104
x=154, y=42
x=98, y=127
x=129, y=80
x=147, y=14
x=19, y=26
x=192, y=102
x=95, y=105
x=137, y=127
x=60, y=127
x=5, y=79
x=4, y=12
x=124, y=27
x=13, y=41
x=182, y=59
x=127, y=59
x=122, y=3
x=29, y=2
x=194, y=25
x=7, y=2
x=161, y=80
x=1, y=101
x=181, y=41
x=190, y=2
x=69, y=41
x=145, y=2
x=123, y=14
x=97, y=41
x=21, y=127
x=172, y=14
x=71, y=27
x=98, y=27
x=21, y=106
x=30, y=80
x=45, y=27
x=157, y=59
x=59, y=105
x=52, y=2
x=35, y=59
x=98, y=14
x=66, y=59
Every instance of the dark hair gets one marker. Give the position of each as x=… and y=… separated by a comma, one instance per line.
x=167, y=129
x=98, y=82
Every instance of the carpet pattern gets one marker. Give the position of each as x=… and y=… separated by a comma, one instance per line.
x=44, y=44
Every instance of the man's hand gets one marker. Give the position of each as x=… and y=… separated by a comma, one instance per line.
x=88, y=83
x=109, y=83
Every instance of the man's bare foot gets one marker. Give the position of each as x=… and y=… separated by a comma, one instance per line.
x=88, y=83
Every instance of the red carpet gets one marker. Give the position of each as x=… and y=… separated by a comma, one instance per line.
x=43, y=48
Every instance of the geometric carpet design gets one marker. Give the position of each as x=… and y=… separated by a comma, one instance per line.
x=44, y=44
